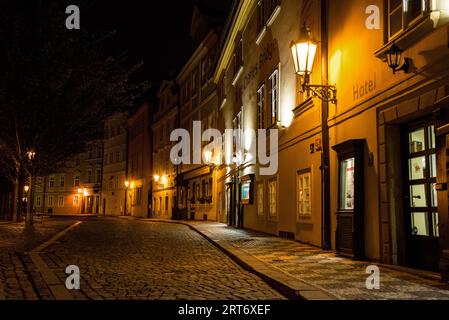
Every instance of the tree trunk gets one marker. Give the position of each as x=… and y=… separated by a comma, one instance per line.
x=15, y=201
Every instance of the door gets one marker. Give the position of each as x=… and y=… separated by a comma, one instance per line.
x=104, y=207
x=230, y=204
x=421, y=205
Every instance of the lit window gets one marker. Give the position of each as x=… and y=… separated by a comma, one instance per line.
x=38, y=201
x=61, y=201
x=304, y=193
x=76, y=200
x=51, y=182
x=62, y=181
x=50, y=201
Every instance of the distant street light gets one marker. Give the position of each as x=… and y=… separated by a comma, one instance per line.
x=26, y=189
x=156, y=178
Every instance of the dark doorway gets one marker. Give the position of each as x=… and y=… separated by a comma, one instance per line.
x=420, y=200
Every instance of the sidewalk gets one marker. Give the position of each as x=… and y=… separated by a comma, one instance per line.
x=305, y=272
x=19, y=278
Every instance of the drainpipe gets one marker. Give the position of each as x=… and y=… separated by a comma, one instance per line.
x=325, y=163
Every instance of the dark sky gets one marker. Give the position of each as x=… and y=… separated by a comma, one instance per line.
x=156, y=32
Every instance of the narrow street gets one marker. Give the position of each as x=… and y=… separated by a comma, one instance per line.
x=127, y=259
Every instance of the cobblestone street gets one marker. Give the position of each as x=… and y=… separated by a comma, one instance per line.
x=127, y=259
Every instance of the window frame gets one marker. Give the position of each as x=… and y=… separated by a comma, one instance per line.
x=274, y=81
x=270, y=204
x=300, y=203
x=260, y=196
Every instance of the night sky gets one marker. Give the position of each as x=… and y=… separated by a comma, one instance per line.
x=155, y=32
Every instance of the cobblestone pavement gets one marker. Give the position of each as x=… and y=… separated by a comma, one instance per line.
x=128, y=259
x=18, y=276
x=341, y=277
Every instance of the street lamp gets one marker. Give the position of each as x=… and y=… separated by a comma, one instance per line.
x=303, y=51
x=125, y=204
x=156, y=178
x=395, y=60
x=31, y=155
x=26, y=189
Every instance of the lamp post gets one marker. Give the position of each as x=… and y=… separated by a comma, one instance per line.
x=31, y=155
x=303, y=51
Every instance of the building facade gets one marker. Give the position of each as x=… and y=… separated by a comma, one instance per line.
x=114, y=165
x=342, y=183
x=75, y=189
x=199, y=105
x=140, y=163
x=164, y=171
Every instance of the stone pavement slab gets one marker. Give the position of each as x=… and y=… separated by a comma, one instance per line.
x=324, y=275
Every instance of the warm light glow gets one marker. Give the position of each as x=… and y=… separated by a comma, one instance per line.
x=208, y=157
x=80, y=190
x=31, y=155
x=335, y=67
x=26, y=188
x=303, y=52
x=156, y=178
x=86, y=193
x=164, y=179
x=127, y=184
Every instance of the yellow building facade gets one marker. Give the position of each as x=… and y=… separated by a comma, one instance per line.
x=365, y=176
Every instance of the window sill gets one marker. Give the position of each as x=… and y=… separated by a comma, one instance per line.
x=274, y=16
x=223, y=103
x=237, y=76
x=405, y=39
x=261, y=35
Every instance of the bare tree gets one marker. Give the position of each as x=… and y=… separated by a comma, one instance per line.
x=56, y=86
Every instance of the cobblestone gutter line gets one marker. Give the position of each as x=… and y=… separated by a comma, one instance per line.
x=57, y=288
x=277, y=279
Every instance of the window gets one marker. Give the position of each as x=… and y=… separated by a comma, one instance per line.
x=51, y=182
x=261, y=107
x=238, y=143
x=98, y=178
x=221, y=89
x=117, y=156
x=111, y=158
x=38, y=201
x=100, y=152
x=194, y=82
x=138, y=196
x=62, y=181
x=265, y=10
x=274, y=97
x=401, y=14
x=272, y=194
x=61, y=201
x=347, y=184
x=304, y=199
x=76, y=181
x=260, y=199
x=50, y=201
x=124, y=155
x=76, y=200
x=89, y=176
x=238, y=59
x=166, y=203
